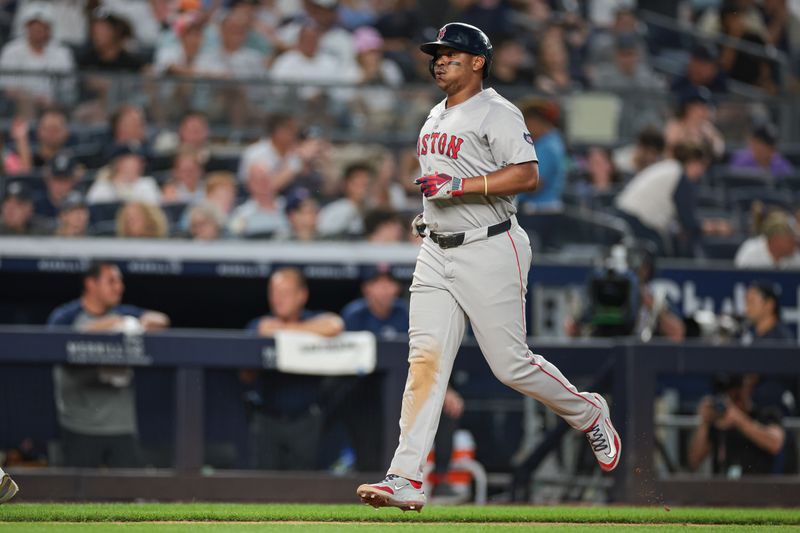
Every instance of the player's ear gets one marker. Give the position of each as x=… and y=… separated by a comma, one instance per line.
x=477, y=63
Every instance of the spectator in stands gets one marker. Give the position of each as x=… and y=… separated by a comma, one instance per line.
x=221, y=191
x=762, y=153
x=179, y=58
x=60, y=179
x=628, y=71
x=185, y=183
x=124, y=180
x=763, y=312
x=552, y=65
x=288, y=423
x=73, y=216
x=139, y=220
x=511, y=64
x=302, y=212
x=775, y=247
x=96, y=405
x=662, y=195
x=744, y=66
x=35, y=52
x=262, y=215
x=129, y=127
x=232, y=59
x=741, y=437
x=703, y=70
x=601, y=173
x=384, y=226
x=334, y=41
x=278, y=150
x=68, y=20
x=309, y=64
x=193, y=134
x=376, y=74
x=52, y=133
x=649, y=149
x=206, y=222
x=109, y=34
x=16, y=213
x=345, y=217
x=693, y=123
x=601, y=42
x=542, y=118
x=20, y=160
x=711, y=21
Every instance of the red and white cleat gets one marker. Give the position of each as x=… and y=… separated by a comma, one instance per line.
x=393, y=491
x=603, y=438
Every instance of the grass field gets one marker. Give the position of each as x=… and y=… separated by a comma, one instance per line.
x=246, y=518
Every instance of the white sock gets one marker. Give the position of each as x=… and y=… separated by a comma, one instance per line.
x=2, y=472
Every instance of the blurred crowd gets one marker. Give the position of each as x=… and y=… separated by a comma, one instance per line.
x=78, y=159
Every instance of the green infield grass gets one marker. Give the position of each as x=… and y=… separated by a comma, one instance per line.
x=246, y=518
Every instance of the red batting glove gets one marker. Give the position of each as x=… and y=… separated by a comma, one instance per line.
x=438, y=186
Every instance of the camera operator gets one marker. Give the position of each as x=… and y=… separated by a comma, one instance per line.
x=742, y=438
x=623, y=301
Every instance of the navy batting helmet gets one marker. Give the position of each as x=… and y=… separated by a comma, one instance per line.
x=462, y=37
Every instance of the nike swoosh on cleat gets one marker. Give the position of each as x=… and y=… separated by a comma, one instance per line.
x=613, y=449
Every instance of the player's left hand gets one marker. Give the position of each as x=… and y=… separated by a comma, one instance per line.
x=438, y=186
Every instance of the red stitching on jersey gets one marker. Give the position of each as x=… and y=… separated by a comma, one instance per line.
x=521, y=298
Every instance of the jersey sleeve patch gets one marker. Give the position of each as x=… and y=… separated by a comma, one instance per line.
x=528, y=138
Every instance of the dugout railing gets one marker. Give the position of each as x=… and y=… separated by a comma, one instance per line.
x=632, y=371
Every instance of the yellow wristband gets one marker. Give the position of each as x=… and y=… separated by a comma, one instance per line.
x=485, y=185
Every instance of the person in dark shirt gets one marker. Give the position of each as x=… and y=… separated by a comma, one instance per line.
x=741, y=437
x=60, y=179
x=763, y=311
x=52, y=133
x=107, y=52
x=16, y=213
x=381, y=310
x=740, y=65
x=702, y=71
x=287, y=414
x=96, y=405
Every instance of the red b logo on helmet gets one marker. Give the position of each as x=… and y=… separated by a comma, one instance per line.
x=441, y=34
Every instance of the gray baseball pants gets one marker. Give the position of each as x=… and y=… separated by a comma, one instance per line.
x=485, y=280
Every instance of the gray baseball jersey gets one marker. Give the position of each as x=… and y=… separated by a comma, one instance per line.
x=473, y=138
x=484, y=280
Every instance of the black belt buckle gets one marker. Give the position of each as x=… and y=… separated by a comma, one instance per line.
x=449, y=241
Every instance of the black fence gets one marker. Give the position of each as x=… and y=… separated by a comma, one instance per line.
x=628, y=373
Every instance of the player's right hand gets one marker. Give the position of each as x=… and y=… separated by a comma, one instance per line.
x=438, y=186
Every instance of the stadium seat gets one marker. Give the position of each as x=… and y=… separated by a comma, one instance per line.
x=574, y=226
x=174, y=211
x=229, y=163
x=736, y=179
x=105, y=212
x=717, y=247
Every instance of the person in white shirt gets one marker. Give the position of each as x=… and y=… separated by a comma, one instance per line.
x=276, y=150
x=124, y=182
x=232, y=59
x=263, y=214
x=69, y=22
x=335, y=41
x=36, y=52
x=345, y=217
x=774, y=248
x=307, y=64
x=178, y=58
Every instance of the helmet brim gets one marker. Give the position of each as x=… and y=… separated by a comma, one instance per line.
x=430, y=48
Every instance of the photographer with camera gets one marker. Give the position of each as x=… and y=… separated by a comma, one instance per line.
x=741, y=437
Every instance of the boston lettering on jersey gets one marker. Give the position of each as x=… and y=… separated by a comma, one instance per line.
x=439, y=143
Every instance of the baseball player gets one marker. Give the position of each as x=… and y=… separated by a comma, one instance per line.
x=475, y=154
x=8, y=489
